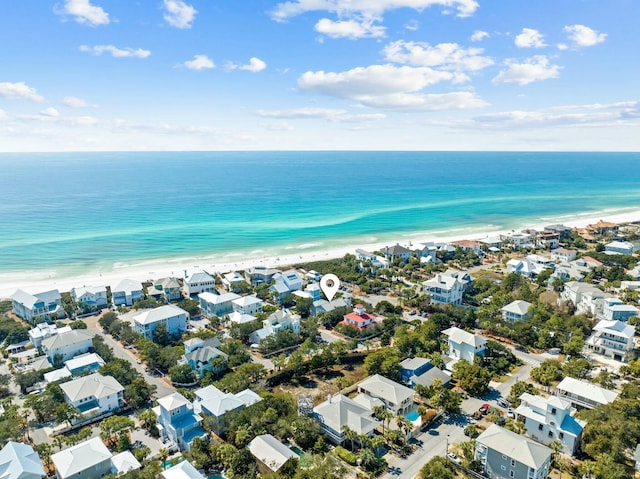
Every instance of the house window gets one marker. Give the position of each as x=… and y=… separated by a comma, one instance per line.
x=511, y=473
x=504, y=468
x=550, y=433
x=553, y=410
x=504, y=456
x=561, y=435
x=540, y=427
x=513, y=463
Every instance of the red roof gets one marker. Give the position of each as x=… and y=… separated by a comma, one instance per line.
x=358, y=318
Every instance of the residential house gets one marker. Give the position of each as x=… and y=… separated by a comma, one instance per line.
x=240, y=318
x=518, y=239
x=359, y=318
x=564, y=232
x=210, y=401
x=413, y=367
x=232, y=280
x=43, y=331
x=428, y=377
x=517, y=311
x=396, y=252
x=177, y=421
x=493, y=243
x=169, y=288
x=619, y=247
x=549, y=240
x=464, y=345
x=339, y=412
x=173, y=318
x=550, y=419
x=257, y=275
x=290, y=278
x=468, y=245
x=613, y=339
x=614, y=309
x=20, y=461
x=584, y=394
x=313, y=289
x=93, y=394
x=247, y=305
x=182, y=470
x=528, y=267
x=127, y=292
x=598, y=230
x=84, y=363
x=270, y=453
x=324, y=306
x=278, y=321
x=444, y=289
x=30, y=307
x=585, y=297
x=199, y=282
x=64, y=346
x=199, y=354
x=92, y=296
x=313, y=275
x=629, y=285
x=91, y=460
x=397, y=398
x=563, y=255
x=213, y=304
x=57, y=375
x=376, y=261
x=505, y=454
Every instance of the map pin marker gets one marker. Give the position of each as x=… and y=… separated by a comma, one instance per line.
x=329, y=284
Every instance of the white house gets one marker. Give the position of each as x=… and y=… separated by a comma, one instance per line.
x=232, y=279
x=528, y=267
x=210, y=401
x=43, y=331
x=247, y=305
x=172, y=317
x=464, y=345
x=46, y=305
x=90, y=295
x=278, y=321
x=584, y=394
x=199, y=282
x=212, y=304
x=585, y=297
x=563, y=255
x=93, y=394
x=127, y=292
x=199, y=354
x=613, y=339
x=270, y=452
x=168, y=288
x=339, y=411
x=91, y=460
x=518, y=239
x=67, y=345
x=359, y=318
x=177, y=421
x=550, y=419
x=240, y=318
x=397, y=398
x=516, y=311
x=20, y=461
x=468, y=245
x=619, y=247
x=614, y=309
x=84, y=363
x=257, y=275
x=182, y=470
x=444, y=289
x=290, y=278
x=375, y=260
x=396, y=252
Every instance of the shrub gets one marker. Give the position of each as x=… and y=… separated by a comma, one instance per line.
x=347, y=456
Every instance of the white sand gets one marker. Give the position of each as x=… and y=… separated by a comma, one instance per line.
x=34, y=282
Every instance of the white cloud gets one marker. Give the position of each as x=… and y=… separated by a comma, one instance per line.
x=3, y=115
x=75, y=102
x=448, y=56
x=582, y=36
x=479, y=35
x=199, y=62
x=347, y=8
x=115, y=51
x=279, y=126
x=19, y=91
x=350, y=28
x=83, y=12
x=389, y=86
x=562, y=46
x=179, y=14
x=255, y=65
x=530, y=38
x=330, y=114
x=51, y=112
x=533, y=69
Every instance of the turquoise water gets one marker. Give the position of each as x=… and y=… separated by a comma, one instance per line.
x=412, y=416
x=215, y=476
x=70, y=213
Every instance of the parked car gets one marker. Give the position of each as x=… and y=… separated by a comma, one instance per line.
x=502, y=402
x=453, y=457
x=510, y=413
x=484, y=408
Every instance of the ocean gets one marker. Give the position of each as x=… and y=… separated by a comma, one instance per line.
x=70, y=212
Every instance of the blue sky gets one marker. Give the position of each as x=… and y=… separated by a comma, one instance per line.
x=84, y=75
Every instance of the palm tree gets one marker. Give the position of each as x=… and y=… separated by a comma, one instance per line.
x=556, y=446
x=349, y=434
x=376, y=443
x=163, y=454
x=404, y=424
x=363, y=440
x=367, y=457
x=386, y=417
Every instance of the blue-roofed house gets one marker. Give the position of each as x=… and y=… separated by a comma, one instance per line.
x=177, y=421
x=127, y=292
x=173, y=318
x=46, y=305
x=84, y=363
x=95, y=296
x=20, y=461
x=413, y=367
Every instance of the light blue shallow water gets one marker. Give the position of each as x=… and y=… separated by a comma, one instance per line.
x=412, y=416
x=70, y=212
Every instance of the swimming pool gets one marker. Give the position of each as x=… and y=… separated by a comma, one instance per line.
x=412, y=416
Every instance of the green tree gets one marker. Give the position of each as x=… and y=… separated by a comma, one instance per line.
x=182, y=374
x=138, y=393
x=518, y=389
x=113, y=426
x=437, y=468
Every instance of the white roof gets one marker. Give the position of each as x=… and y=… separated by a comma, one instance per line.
x=57, y=375
x=459, y=336
x=619, y=244
x=29, y=300
x=173, y=401
x=124, y=462
x=241, y=318
x=616, y=328
x=442, y=281
x=200, y=277
x=80, y=457
x=213, y=298
x=128, y=286
x=384, y=388
x=68, y=338
x=84, y=360
x=587, y=390
x=20, y=461
x=368, y=401
x=82, y=290
x=182, y=470
x=338, y=411
x=159, y=314
x=271, y=452
x=245, y=301
x=414, y=363
x=514, y=446
x=94, y=385
x=517, y=307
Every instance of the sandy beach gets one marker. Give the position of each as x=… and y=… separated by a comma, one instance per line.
x=38, y=281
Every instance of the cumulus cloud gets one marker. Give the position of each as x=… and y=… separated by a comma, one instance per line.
x=3, y=115
x=330, y=114
x=179, y=14
x=530, y=38
x=83, y=12
x=75, y=102
x=583, y=36
x=51, y=112
x=115, y=51
x=389, y=86
x=532, y=69
x=479, y=35
x=19, y=91
x=447, y=56
x=279, y=126
x=352, y=29
x=199, y=62
x=255, y=65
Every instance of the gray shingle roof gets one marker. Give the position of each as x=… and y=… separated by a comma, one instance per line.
x=514, y=446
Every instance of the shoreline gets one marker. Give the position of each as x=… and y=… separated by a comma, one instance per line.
x=42, y=280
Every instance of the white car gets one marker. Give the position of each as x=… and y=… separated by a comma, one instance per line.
x=453, y=457
x=510, y=413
